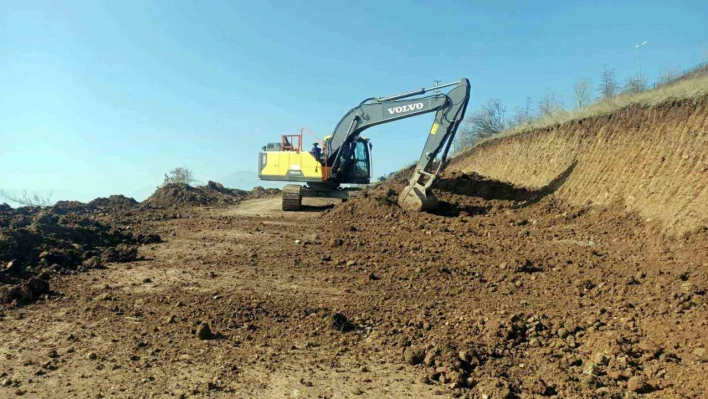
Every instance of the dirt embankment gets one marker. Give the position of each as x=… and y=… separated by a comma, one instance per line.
x=654, y=161
x=212, y=194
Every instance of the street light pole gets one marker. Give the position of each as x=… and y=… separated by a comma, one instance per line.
x=639, y=58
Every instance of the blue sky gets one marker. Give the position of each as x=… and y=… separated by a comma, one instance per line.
x=104, y=97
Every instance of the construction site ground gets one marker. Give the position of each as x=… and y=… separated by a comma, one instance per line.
x=504, y=293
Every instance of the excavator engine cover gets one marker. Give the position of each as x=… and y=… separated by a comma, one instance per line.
x=417, y=198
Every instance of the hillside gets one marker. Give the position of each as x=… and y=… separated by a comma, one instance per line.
x=648, y=159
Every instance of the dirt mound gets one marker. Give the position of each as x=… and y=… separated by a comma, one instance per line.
x=36, y=243
x=260, y=192
x=650, y=160
x=212, y=194
x=114, y=201
x=481, y=193
x=510, y=292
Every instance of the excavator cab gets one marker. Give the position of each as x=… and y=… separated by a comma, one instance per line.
x=356, y=162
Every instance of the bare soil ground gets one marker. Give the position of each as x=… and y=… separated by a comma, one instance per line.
x=505, y=293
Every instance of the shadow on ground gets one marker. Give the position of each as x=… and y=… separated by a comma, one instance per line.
x=475, y=185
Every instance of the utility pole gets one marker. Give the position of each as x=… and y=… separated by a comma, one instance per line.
x=639, y=58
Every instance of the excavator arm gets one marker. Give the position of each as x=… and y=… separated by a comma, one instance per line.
x=450, y=110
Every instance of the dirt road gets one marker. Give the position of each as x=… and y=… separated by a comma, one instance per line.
x=503, y=295
x=129, y=331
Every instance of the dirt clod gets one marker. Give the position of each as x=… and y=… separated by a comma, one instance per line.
x=341, y=323
x=637, y=384
x=204, y=332
x=413, y=355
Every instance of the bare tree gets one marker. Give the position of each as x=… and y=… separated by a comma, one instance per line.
x=635, y=85
x=583, y=93
x=179, y=176
x=669, y=73
x=608, y=83
x=486, y=122
x=550, y=105
x=523, y=114
x=27, y=199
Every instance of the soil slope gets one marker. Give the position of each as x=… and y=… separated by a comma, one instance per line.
x=653, y=161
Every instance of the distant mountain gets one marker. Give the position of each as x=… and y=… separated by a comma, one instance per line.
x=246, y=180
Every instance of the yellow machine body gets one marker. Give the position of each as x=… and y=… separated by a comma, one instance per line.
x=295, y=166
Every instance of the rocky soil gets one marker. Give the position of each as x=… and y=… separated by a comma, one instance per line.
x=213, y=194
x=39, y=243
x=506, y=292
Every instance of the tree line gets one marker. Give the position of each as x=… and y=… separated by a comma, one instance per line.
x=492, y=118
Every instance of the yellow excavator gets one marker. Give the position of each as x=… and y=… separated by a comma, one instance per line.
x=346, y=155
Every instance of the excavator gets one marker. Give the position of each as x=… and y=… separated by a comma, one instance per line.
x=345, y=157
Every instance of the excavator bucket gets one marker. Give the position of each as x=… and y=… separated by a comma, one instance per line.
x=416, y=198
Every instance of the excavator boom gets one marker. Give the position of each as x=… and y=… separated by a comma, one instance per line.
x=450, y=111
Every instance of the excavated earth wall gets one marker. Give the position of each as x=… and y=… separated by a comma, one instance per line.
x=653, y=161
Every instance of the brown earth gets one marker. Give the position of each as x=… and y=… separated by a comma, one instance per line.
x=509, y=293
x=37, y=243
x=177, y=195
x=653, y=161
x=506, y=292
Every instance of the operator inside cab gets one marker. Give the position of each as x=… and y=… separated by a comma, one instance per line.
x=316, y=151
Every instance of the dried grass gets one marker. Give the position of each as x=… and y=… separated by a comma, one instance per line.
x=679, y=90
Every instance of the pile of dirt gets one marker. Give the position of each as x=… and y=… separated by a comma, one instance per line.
x=212, y=194
x=511, y=301
x=114, y=202
x=36, y=243
x=260, y=192
x=480, y=194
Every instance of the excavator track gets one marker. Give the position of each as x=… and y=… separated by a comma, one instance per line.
x=292, y=197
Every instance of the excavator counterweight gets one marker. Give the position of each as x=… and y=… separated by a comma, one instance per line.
x=345, y=157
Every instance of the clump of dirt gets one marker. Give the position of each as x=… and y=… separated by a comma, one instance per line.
x=212, y=194
x=36, y=243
